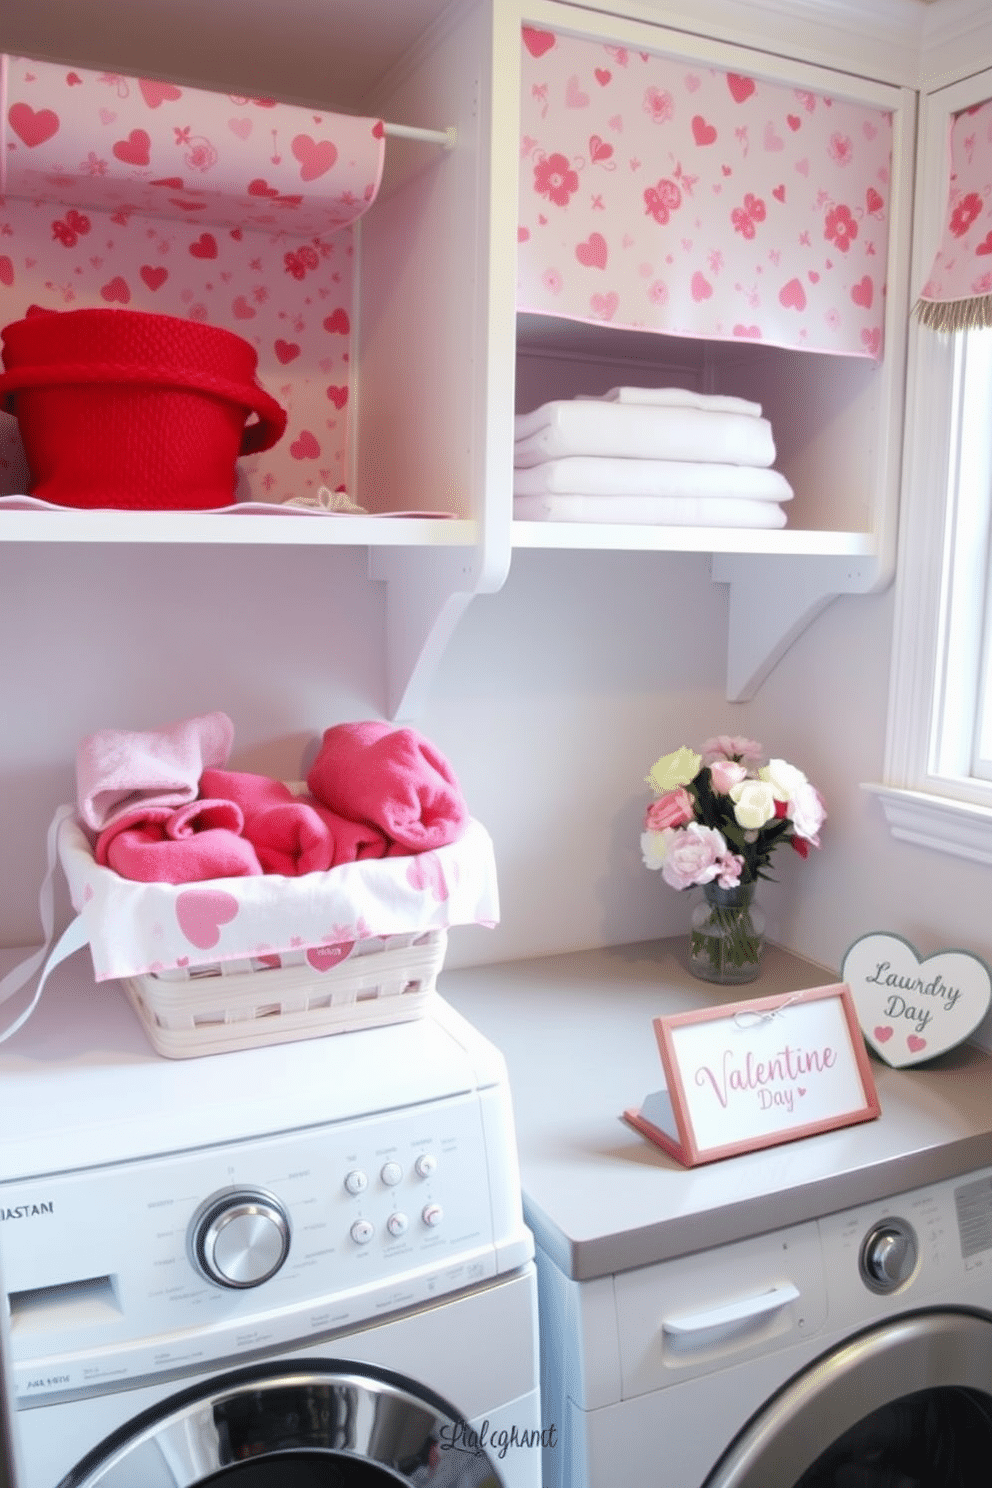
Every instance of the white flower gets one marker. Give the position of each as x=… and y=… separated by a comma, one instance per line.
x=754, y=804
x=807, y=813
x=784, y=779
x=654, y=848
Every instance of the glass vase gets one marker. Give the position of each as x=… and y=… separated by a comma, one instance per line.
x=727, y=935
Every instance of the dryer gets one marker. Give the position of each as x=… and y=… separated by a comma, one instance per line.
x=852, y=1351
x=812, y=1315
x=303, y=1264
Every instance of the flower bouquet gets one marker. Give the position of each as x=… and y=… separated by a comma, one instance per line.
x=717, y=819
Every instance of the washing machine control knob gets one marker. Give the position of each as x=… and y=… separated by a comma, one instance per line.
x=888, y=1255
x=240, y=1237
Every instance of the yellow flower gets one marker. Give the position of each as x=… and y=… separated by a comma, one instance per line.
x=754, y=804
x=673, y=770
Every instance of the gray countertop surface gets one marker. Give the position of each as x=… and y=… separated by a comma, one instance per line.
x=576, y=1032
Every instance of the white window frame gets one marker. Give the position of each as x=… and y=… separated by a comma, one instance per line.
x=930, y=795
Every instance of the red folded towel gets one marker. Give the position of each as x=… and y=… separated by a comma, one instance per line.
x=292, y=835
x=155, y=844
x=392, y=778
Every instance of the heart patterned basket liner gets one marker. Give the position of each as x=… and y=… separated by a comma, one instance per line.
x=235, y=963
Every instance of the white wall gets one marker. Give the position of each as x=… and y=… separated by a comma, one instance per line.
x=553, y=700
x=552, y=703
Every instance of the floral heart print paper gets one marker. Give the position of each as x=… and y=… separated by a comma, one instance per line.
x=685, y=199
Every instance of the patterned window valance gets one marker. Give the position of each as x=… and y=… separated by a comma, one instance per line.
x=664, y=196
x=958, y=293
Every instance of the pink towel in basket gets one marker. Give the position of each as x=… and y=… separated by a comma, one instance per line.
x=118, y=770
x=392, y=778
x=155, y=844
x=292, y=835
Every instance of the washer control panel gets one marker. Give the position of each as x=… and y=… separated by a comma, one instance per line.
x=150, y=1267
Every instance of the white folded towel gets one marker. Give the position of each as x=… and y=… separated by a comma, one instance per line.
x=660, y=511
x=578, y=426
x=682, y=398
x=597, y=475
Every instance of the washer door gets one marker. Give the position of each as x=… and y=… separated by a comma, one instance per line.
x=926, y=1376
x=322, y=1424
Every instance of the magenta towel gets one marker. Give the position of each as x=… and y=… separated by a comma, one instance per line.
x=154, y=844
x=392, y=778
x=291, y=834
x=118, y=770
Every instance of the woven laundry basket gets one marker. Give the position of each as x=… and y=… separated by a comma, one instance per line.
x=225, y=1006
x=125, y=409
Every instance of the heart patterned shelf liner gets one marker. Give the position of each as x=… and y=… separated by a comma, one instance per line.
x=129, y=193
x=656, y=194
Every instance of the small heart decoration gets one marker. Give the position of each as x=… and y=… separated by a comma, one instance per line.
x=537, y=42
x=592, y=253
x=913, y=1007
x=315, y=156
x=136, y=149
x=305, y=448
x=323, y=958
x=201, y=913
x=34, y=128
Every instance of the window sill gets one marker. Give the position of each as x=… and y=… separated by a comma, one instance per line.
x=962, y=828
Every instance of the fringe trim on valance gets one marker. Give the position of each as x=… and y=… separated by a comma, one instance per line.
x=971, y=314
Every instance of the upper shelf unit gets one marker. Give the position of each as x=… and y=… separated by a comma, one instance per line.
x=639, y=119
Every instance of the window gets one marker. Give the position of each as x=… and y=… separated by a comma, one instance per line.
x=938, y=768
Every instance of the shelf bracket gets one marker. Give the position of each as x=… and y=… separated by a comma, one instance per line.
x=427, y=593
x=772, y=600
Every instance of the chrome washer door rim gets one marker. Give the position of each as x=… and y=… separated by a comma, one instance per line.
x=919, y=1351
x=368, y=1415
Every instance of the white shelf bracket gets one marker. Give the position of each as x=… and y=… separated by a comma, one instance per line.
x=772, y=601
x=427, y=593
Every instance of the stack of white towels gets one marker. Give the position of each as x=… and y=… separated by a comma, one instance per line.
x=669, y=456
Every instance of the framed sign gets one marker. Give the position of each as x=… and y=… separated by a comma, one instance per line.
x=754, y=1074
x=911, y=1007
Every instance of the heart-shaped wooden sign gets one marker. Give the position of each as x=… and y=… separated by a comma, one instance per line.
x=912, y=1008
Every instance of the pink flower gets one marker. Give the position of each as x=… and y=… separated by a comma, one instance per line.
x=730, y=871
x=840, y=228
x=673, y=809
x=964, y=214
x=555, y=179
x=695, y=856
x=659, y=105
x=747, y=752
x=840, y=149
x=725, y=773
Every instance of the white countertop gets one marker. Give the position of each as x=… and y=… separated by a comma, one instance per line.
x=576, y=1032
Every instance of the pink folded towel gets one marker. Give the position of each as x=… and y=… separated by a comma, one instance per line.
x=154, y=844
x=392, y=778
x=291, y=834
x=118, y=770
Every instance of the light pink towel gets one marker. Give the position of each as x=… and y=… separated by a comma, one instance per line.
x=394, y=779
x=118, y=770
x=202, y=840
x=291, y=834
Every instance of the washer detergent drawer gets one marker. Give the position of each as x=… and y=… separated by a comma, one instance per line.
x=698, y=1313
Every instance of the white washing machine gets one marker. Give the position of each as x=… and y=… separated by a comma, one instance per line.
x=298, y=1265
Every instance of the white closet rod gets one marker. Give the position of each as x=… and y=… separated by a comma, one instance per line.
x=445, y=137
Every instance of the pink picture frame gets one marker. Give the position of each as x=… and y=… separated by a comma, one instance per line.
x=753, y=1074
